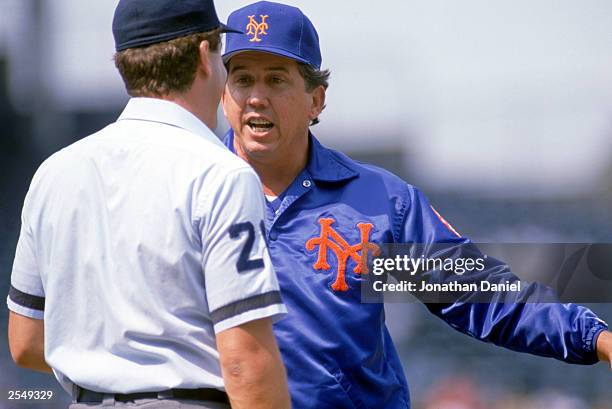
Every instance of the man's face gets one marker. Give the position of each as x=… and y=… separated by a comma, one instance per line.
x=267, y=105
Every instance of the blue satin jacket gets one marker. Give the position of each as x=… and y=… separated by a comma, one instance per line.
x=337, y=350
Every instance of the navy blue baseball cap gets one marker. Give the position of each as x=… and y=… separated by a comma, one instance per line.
x=139, y=23
x=274, y=28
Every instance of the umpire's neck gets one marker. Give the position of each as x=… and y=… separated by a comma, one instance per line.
x=203, y=97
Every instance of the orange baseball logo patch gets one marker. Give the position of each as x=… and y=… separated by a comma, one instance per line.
x=330, y=239
x=256, y=29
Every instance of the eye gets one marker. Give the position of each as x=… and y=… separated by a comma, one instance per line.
x=242, y=80
x=277, y=80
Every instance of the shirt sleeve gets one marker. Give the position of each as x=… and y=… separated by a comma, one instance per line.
x=241, y=284
x=567, y=332
x=26, y=294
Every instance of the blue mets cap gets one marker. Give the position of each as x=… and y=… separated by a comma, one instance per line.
x=139, y=23
x=274, y=28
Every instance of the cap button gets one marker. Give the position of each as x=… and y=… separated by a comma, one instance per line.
x=306, y=183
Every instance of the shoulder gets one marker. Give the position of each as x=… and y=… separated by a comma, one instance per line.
x=208, y=152
x=374, y=183
x=127, y=148
x=378, y=191
x=199, y=150
x=221, y=161
x=68, y=158
x=369, y=174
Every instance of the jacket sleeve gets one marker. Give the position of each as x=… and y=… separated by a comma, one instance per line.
x=567, y=332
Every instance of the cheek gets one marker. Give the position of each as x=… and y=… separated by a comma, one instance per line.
x=234, y=115
x=223, y=76
x=231, y=107
x=296, y=110
x=290, y=103
x=220, y=72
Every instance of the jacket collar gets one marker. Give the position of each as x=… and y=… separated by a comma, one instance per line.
x=323, y=164
x=165, y=112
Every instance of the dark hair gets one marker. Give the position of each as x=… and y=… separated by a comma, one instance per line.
x=313, y=79
x=162, y=68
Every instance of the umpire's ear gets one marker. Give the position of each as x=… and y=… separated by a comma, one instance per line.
x=204, y=50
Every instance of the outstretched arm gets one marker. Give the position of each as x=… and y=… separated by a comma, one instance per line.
x=604, y=346
x=531, y=320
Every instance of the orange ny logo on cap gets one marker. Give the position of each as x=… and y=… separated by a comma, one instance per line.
x=330, y=239
x=256, y=29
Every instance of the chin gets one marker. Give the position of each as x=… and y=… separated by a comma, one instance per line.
x=257, y=145
x=260, y=141
x=257, y=149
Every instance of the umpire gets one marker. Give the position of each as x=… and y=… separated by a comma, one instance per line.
x=141, y=277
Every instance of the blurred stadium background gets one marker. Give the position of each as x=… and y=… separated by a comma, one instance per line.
x=500, y=111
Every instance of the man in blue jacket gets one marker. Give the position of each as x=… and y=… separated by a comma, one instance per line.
x=327, y=215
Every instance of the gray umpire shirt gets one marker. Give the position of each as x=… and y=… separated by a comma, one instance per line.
x=138, y=244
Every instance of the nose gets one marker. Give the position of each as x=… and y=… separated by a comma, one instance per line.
x=258, y=96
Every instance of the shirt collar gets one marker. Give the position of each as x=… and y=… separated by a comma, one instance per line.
x=165, y=112
x=323, y=164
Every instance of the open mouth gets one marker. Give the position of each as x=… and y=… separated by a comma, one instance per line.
x=260, y=125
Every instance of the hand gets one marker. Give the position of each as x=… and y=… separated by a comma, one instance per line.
x=604, y=346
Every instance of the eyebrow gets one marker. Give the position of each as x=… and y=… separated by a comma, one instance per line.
x=277, y=69
x=242, y=67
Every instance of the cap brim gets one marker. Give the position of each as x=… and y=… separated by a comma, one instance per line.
x=226, y=29
x=269, y=50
